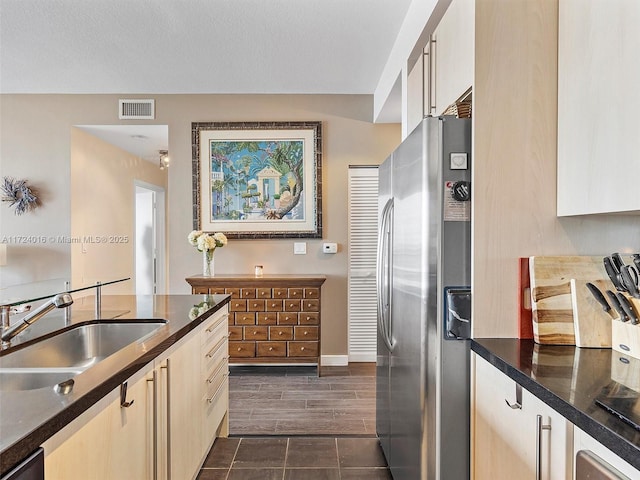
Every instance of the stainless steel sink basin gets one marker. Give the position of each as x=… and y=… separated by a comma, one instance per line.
x=60, y=357
x=19, y=379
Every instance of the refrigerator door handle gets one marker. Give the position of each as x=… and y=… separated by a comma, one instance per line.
x=383, y=274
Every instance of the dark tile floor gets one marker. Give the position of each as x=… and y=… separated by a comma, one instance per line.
x=295, y=401
x=295, y=458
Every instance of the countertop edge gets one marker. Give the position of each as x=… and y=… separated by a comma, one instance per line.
x=620, y=446
x=13, y=454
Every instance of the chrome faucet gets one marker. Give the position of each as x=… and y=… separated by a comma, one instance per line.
x=61, y=300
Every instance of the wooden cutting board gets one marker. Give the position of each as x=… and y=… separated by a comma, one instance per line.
x=565, y=312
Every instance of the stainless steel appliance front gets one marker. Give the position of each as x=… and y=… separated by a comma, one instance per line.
x=424, y=246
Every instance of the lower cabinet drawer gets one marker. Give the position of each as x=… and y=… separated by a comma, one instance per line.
x=242, y=349
x=272, y=349
x=305, y=333
x=235, y=333
x=255, y=333
x=280, y=333
x=303, y=349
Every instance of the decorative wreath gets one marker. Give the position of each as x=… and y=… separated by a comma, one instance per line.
x=19, y=194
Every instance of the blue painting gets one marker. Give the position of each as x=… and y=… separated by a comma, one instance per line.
x=257, y=180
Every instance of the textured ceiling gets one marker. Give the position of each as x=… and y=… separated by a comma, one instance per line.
x=196, y=46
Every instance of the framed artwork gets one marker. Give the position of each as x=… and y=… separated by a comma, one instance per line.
x=258, y=179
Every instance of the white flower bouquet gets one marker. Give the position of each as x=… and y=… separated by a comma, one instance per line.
x=207, y=243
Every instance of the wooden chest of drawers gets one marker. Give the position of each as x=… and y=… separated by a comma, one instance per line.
x=273, y=319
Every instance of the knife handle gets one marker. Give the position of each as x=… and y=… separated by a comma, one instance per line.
x=597, y=294
x=628, y=309
x=616, y=305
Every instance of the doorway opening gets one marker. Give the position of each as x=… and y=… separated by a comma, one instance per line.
x=149, y=239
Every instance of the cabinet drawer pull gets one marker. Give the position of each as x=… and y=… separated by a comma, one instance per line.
x=308, y=318
x=301, y=349
x=518, y=404
x=280, y=333
x=217, y=346
x=239, y=349
x=286, y=318
x=213, y=397
x=539, y=428
x=273, y=304
x=306, y=333
x=271, y=349
x=217, y=370
x=294, y=293
x=255, y=332
x=213, y=327
x=123, y=396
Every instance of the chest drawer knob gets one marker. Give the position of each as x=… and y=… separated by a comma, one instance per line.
x=306, y=333
x=279, y=333
x=239, y=349
x=286, y=318
x=270, y=349
x=273, y=304
x=308, y=318
x=255, y=333
x=301, y=349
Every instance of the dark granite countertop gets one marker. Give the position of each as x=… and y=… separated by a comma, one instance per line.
x=569, y=379
x=28, y=418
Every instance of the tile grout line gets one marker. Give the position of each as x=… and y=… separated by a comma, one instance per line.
x=338, y=458
x=286, y=454
x=235, y=454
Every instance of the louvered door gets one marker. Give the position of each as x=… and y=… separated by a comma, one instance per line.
x=363, y=227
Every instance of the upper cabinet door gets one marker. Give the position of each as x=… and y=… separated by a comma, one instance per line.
x=453, y=55
x=598, y=105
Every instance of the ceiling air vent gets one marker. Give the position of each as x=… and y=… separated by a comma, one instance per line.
x=137, y=109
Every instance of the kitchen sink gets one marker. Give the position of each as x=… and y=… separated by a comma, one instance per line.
x=75, y=349
x=20, y=379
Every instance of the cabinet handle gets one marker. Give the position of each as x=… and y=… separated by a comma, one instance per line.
x=255, y=333
x=212, y=327
x=273, y=304
x=167, y=368
x=215, y=373
x=306, y=333
x=217, y=346
x=432, y=75
x=279, y=333
x=154, y=410
x=271, y=349
x=239, y=349
x=301, y=349
x=539, y=428
x=518, y=404
x=123, y=396
x=212, y=398
x=308, y=318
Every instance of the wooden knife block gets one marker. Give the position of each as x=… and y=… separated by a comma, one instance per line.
x=625, y=337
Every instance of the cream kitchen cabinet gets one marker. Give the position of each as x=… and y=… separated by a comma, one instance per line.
x=514, y=434
x=598, y=75
x=107, y=441
x=584, y=441
x=449, y=57
x=180, y=405
x=444, y=71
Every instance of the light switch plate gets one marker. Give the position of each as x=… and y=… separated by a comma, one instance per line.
x=300, y=248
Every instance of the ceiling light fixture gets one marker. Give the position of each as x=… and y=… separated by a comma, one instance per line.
x=164, y=159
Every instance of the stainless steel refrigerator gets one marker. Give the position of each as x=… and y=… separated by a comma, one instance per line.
x=423, y=278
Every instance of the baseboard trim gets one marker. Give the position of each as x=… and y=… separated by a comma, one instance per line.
x=334, y=360
x=369, y=357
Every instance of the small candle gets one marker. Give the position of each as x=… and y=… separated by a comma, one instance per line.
x=258, y=270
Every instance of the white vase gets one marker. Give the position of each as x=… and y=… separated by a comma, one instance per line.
x=207, y=264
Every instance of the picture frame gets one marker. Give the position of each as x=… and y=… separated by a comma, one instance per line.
x=258, y=179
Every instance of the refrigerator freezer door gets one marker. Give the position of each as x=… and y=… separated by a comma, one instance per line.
x=409, y=252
